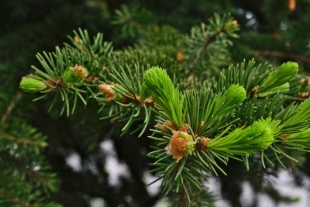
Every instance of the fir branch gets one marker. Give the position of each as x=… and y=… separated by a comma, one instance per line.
x=208, y=41
x=279, y=80
x=10, y=107
x=248, y=74
x=297, y=116
x=167, y=97
x=126, y=90
x=230, y=99
x=20, y=151
x=206, y=112
x=22, y=140
x=26, y=135
x=198, y=128
x=257, y=137
x=202, y=38
x=254, y=108
x=300, y=139
x=23, y=167
x=133, y=20
x=198, y=198
x=95, y=50
x=14, y=199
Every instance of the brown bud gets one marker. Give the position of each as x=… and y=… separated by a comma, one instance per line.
x=291, y=4
x=235, y=22
x=107, y=91
x=305, y=81
x=181, y=144
x=202, y=143
x=168, y=125
x=255, y=88
x=180, y=56
x=190, y=79
x=80, y=71
x=282, y=136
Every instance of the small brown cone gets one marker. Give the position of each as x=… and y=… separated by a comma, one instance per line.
x=181, y=144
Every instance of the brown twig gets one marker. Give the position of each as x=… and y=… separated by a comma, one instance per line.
x=277, y=54
x=210, y=39
x=10, y=107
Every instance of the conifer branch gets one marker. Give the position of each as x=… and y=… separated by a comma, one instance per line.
x=21, y=140
x=210, y=39
x=10, y=107
x=239, y=113
x=14, y=199
x=37, y=176
x=202, y=38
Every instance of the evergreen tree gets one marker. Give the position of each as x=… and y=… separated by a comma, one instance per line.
x=184, y=90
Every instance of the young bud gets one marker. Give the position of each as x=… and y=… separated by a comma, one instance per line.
x=231, y=25
x=244, y=141
x=107, y=91
x=180, y=56
x=181, y=144
x=32, y=84
x=75, y=75
x=168, y=98
x=278, y=81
